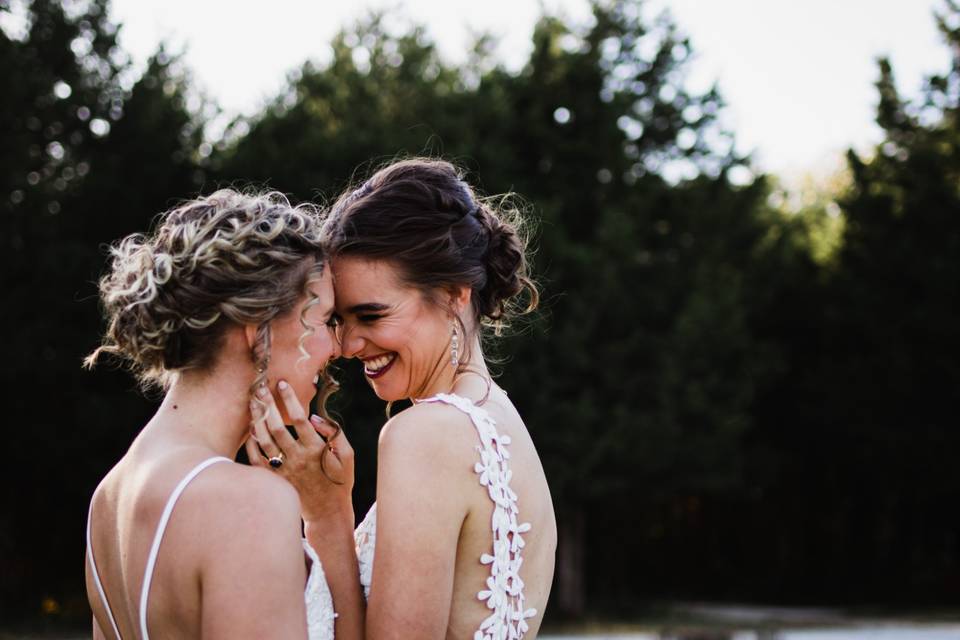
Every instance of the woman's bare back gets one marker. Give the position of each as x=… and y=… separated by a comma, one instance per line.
x=220, y=515
x=457, y=439
x=535, y=507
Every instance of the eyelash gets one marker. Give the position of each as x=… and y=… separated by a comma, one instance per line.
x=369, y=317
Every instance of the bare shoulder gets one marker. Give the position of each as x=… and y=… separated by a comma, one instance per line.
x=427, y=445
x=428, y=427
x=246, y=542
x=233, y=497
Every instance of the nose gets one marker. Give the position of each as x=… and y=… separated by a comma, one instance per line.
x=351, y=343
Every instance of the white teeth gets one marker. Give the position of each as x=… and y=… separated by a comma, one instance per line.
x=378, y=363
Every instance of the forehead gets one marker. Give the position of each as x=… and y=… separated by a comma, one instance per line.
x=322, y=287
x=363, y=280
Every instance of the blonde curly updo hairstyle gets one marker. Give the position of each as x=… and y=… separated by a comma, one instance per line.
x=225, y=259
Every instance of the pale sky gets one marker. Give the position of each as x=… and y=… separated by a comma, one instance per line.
x=797, y=74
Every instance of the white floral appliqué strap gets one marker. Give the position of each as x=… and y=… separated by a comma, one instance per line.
x=504, y=592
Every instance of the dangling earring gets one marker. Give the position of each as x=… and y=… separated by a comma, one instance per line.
x=454, y=344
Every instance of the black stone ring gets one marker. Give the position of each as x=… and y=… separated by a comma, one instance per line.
x=276, y=461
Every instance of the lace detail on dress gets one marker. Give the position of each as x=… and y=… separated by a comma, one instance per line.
x=504, y=592
x=365, y=538
x=319, y=601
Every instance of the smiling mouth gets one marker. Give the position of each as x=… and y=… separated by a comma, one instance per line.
x=376, y=367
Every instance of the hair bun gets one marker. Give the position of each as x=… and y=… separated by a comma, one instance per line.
x=140, y=327
x=506, y=267
x=421, y=214
x=227, y=257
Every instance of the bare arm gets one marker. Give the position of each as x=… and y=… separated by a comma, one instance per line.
x=254, y=572
x=417, y=528
x=326, y=505
x=420, y=510
x=328, y=528
x=333, y=542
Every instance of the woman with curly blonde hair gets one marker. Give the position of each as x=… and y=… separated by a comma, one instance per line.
x=228, y=299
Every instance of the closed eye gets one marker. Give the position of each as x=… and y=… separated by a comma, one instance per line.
x=368, y=317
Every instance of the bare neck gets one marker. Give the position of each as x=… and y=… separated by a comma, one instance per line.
x=447, y=380
x=208, y=410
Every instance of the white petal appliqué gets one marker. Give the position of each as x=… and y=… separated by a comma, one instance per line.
x=504, y=587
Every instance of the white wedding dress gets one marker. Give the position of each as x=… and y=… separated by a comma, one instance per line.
x=503, y=592
x=320, y=614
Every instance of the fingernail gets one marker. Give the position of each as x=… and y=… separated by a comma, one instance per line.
x=283, y=384
x=315, y=419
x=262, y=392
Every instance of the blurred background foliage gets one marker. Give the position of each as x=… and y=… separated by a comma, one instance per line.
x=739, y=392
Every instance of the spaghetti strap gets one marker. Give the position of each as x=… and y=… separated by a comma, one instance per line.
x=96, y=576
x=152, y=558
x=158, y=537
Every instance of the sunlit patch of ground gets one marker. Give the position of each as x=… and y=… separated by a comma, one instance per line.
x=745, y=622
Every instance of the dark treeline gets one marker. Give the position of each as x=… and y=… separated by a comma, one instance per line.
x=725, y=410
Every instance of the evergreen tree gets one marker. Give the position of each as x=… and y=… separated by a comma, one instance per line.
x=898, y=321
x=639, y=380
x=861, y=430
x=88, y=156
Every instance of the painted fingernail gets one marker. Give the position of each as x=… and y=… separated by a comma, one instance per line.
x=283, y=384
x=262, y=392
x=315, y=419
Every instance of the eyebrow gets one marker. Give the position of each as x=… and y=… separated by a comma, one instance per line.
x=367, y=306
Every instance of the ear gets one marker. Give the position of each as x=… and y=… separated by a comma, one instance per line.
x=460, y=298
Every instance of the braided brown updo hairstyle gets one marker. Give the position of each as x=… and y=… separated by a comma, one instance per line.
x=420, y=215
x=224, y=259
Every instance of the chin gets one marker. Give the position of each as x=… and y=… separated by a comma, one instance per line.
x=387, y=394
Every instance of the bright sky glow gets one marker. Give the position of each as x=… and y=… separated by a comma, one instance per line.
x=797, y=75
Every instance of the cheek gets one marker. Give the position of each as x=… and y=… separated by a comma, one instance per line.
x=319, y=345
x=422, y=342
x=429, y=332
x=384, y=337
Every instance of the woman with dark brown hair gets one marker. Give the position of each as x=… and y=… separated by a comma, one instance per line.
x=462, y=539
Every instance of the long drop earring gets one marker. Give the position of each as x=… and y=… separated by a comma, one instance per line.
x=454, y=344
